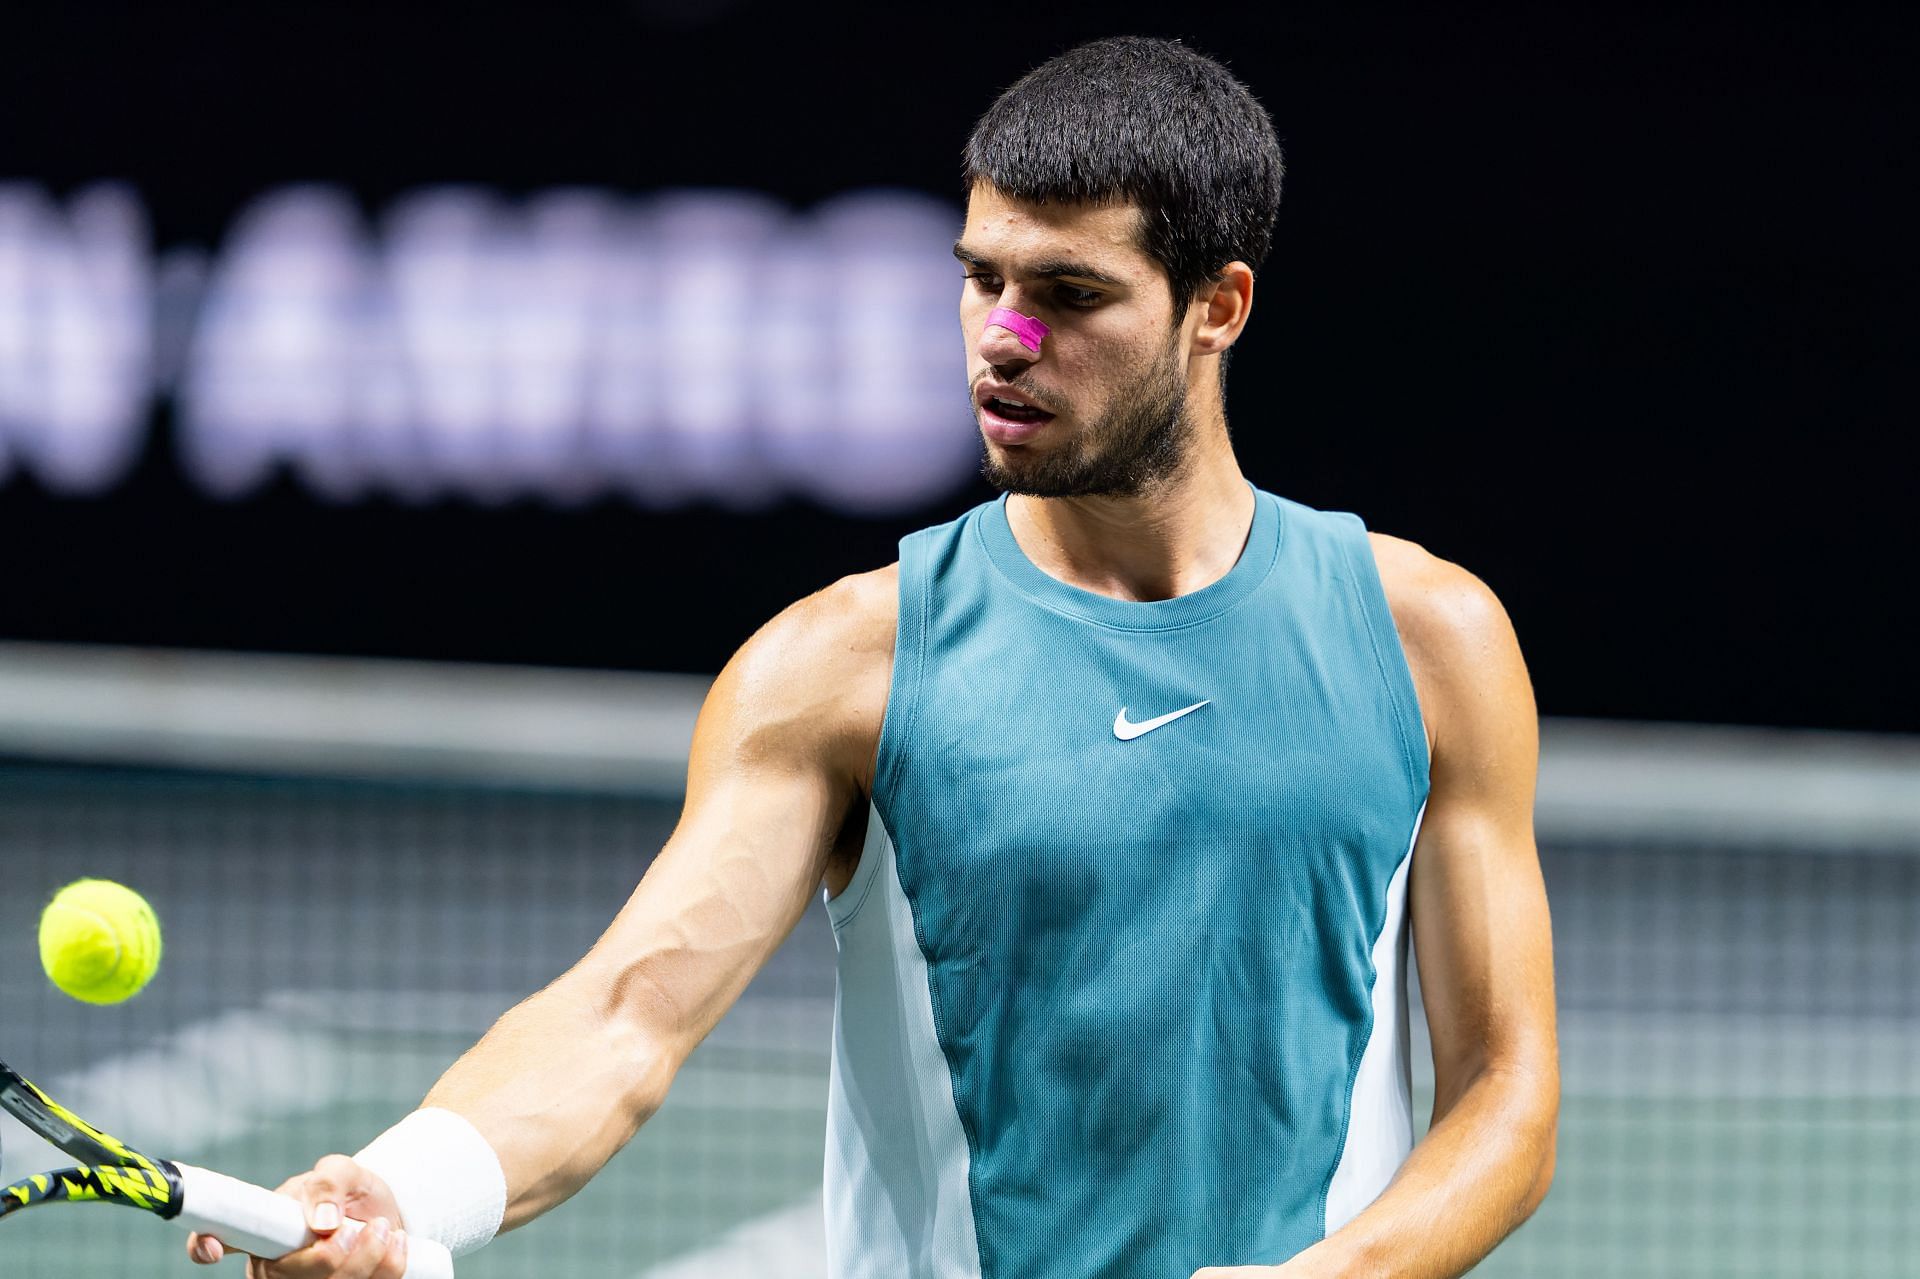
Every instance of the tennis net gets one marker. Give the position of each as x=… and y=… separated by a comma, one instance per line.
x=360, y=865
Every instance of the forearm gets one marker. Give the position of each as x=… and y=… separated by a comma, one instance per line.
x=557, y=1087
x=1481, y=1171
x=566, y=1078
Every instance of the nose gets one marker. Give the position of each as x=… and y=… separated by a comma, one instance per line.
x=1003, y=350
x=1011, y=338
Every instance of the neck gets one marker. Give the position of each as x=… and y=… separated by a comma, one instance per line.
x=1182, y=536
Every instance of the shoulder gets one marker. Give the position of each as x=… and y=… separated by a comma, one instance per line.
x=1458, y=639
x=1435, y=602
x=839, y=630
x=814, y=679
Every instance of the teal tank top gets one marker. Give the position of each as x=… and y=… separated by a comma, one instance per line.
x=1121, y=980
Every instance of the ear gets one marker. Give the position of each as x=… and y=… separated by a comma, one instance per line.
x=1223, y=307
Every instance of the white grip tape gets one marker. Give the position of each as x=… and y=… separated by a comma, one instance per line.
x=249, y=1219
x=445, y=1178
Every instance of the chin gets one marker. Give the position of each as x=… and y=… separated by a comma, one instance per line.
x=1010, y=471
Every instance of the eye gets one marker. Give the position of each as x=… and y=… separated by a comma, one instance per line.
x=1077, y=297
x=985, y=281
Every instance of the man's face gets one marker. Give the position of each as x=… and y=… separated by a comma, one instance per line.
x=1100, y=409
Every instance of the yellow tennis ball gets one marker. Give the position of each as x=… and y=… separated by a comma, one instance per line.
x=99, y=941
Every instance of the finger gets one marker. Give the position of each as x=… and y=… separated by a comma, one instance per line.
x=323, y=1189
x=204, y=1250
x=323, y=1259
x=369, y=1250
x=395, y=1265
x=360, y=1197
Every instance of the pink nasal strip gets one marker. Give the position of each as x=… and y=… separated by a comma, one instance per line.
x=1029, y=330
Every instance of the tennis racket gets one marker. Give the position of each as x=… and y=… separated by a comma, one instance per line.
x=239, y=1215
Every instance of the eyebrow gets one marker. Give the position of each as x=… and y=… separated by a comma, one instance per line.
x=1049, y=269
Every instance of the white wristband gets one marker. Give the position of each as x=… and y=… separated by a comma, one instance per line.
x=444, y=1177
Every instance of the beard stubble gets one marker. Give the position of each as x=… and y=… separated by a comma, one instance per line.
x=1141, y=441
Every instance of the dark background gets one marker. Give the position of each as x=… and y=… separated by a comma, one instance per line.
x=1613, y=306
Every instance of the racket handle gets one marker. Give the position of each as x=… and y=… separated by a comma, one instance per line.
x=251, y=1219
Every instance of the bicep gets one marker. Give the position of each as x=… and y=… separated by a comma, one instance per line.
x=1482, y=935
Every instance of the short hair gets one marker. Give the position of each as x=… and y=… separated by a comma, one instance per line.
x=1148, y=122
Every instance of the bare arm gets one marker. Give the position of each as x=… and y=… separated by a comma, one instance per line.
x=782, y=752
x=779, y=758
x=1483, y=942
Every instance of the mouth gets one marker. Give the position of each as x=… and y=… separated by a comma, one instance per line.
x=1007, y=416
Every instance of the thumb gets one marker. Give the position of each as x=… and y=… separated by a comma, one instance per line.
x=323, y=1215
x=321, y=1192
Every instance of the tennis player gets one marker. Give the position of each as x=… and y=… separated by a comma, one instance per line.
x=1123, y=790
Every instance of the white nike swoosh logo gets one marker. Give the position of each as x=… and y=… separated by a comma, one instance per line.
x=1127, y=732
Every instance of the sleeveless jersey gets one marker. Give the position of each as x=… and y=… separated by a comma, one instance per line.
x=1121, y=977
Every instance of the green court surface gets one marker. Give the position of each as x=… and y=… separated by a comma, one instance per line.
x=1740, y=1031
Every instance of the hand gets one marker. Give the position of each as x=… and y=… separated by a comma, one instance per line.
x=337, y=1188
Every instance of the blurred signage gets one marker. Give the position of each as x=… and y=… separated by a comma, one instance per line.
x=689, y=345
